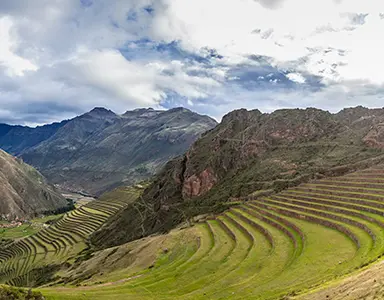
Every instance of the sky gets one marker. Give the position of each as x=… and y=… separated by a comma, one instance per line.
x=61, y=58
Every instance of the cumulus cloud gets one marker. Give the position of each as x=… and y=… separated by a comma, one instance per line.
x=14, y=64
x=285, y=34
x=59, y=58
x=296, y=77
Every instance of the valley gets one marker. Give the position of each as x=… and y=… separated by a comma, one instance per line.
x=282, y=245
x=24, y=261
x=18, y=229
x=287, y=205
x=191, y=150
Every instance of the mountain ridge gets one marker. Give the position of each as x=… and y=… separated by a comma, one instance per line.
x=99, y=150
x=249, y=151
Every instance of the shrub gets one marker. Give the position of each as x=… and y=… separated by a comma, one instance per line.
x=11, y=293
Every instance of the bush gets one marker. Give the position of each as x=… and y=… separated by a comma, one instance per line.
x=11, y=293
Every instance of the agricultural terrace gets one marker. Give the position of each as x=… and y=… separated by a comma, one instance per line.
x=270, y=247
x=57, y=243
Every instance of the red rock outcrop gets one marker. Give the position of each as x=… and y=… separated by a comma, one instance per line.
x=197, y=185
x=375, y=137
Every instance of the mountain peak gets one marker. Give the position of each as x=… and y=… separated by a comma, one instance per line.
x=143, y=109
x=141, y=112
x=100, y=112
x=241, y=115
x=178, y=109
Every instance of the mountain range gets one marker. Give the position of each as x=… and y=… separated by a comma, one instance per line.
x=250, y=152
x=100, y=150
x=297, y=184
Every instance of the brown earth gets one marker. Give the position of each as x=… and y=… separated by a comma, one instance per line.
x=24, y=193
x=367, y=285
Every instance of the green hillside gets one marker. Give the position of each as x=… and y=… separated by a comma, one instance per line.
x=34, y=260
x=275, y=247
x=250, y=151
x=263, y=206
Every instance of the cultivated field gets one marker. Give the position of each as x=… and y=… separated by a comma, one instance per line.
x=26, y=259
x=274, y=247
x=26, y=228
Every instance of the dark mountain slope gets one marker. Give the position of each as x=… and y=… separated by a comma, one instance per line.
x=24, y=193
x=17, y=139
x=100, y=150
x=247, y=152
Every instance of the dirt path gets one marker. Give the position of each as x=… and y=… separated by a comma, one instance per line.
x=367, y=285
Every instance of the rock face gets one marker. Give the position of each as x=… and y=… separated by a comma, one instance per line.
x=100, y=150
x=375, y=137
x=24, y=192
x=197, y=185
x=368, y=122
x=249, y=151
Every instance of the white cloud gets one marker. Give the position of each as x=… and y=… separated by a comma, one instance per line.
x=69, y=59
x=14, y=64
x=238, y=28
x=296, y=77
x=59, y=58
x=142, y=84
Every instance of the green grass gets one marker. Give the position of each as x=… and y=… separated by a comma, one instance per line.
x=26, y=229
x=7, y=292
x=238, y=270
x=48, y=247
x=276, y=245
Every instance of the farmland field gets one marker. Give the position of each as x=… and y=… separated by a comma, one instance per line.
x=26, y=229
x=283, y=245
x=39, y=254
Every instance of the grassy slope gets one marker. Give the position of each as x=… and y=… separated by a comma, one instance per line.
x=34, y=260
x=265, y=249
x=362, y=284
x=269, y=171
x=223, y=273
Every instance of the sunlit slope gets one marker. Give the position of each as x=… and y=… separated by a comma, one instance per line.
x=25, y=259
x=267, y=248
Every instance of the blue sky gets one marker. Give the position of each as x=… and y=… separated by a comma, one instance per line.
x=60, y=58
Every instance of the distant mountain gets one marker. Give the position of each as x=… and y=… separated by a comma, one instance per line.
x=100, y=150
x=17, y=139
x=24, y=192
x=248, y=152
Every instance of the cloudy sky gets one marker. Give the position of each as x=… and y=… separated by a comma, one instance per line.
x=59, y=58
